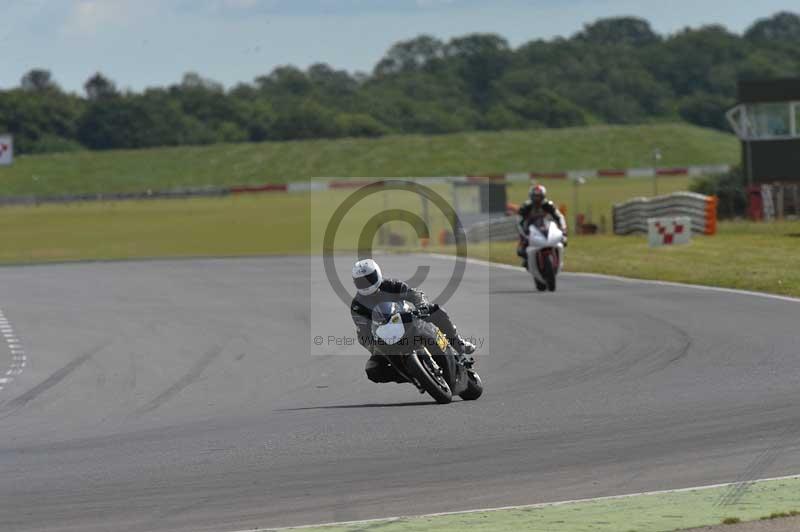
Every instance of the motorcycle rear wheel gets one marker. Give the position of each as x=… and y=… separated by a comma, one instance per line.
x=420, y=368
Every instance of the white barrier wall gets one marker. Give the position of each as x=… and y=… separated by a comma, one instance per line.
x=669, y=231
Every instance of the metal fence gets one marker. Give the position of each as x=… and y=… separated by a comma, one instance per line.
x=496, y=229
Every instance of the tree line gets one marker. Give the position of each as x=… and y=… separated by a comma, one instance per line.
x=614, y=71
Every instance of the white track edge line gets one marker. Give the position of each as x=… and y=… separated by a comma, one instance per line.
x=18, y=357
x=528, y=506
x=627, y=279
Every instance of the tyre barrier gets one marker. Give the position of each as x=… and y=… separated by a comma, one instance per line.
x=631, y=217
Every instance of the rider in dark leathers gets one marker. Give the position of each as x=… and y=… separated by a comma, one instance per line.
x=537, y=206
x=374, y=289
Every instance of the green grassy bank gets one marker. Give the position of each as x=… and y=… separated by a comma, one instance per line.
x=393, y=156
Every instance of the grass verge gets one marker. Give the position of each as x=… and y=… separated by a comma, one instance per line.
x=762, y=257
x=743, y=255
x=239, y=225
x=151, y=229
x=660, y=512
x=234, y=226
x=393, y=156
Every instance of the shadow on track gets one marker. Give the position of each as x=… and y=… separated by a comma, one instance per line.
x=514, y=292
x=366, y=405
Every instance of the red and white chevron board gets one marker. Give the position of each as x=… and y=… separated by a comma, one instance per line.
x=669, y=231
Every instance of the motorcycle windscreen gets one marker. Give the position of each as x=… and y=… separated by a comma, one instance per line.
x=538, y=237
x=391, y=332
x=554, y=235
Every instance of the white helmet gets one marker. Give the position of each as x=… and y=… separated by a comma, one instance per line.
x=367, y=276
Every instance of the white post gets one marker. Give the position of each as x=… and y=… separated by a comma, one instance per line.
x=656, y=161
x=6, y=150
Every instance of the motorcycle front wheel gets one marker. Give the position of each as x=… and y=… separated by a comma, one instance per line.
x=474, y=388
x=423, y=369
x=549, y=274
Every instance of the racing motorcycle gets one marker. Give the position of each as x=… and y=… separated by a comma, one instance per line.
x=545, y=253
x=421, y=353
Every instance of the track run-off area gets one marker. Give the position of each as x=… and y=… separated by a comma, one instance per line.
x=186, y=395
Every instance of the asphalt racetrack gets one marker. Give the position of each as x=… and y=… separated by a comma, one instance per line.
x=186, y=396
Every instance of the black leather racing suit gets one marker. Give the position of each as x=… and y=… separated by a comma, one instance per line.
x=529, y=212
x=378, y=368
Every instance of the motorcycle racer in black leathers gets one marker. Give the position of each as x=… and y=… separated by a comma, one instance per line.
x=535, y=207
x=372, y=289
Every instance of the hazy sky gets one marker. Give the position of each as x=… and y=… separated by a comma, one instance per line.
x=142, y=43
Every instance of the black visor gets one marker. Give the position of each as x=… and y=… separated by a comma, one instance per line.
x=368, y=280
x=384, y=311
